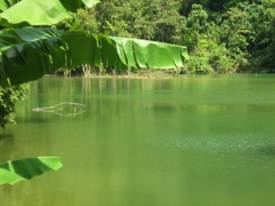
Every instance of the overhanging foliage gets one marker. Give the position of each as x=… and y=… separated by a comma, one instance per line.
x=43, y=13
x=29, y=53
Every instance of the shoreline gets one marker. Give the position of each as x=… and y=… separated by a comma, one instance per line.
x=154, y=75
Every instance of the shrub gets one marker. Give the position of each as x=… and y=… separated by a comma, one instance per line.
x=8, y=98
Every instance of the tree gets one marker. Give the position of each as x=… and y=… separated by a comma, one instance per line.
x=156, y=20
x=229, y=36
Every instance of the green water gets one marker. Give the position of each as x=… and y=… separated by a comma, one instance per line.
x=202, y=141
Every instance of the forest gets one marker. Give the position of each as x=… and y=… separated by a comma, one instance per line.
x=222, y=36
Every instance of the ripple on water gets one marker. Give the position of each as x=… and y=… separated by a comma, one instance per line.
x=220, y=144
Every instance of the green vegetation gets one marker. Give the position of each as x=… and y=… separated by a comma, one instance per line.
x=221, y=36
x=8, y=97
x=47, y=49
x=12, y=172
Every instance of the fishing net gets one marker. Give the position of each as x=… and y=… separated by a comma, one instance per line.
x=64, y=109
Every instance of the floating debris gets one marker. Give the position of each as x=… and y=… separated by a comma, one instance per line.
x=64, y=109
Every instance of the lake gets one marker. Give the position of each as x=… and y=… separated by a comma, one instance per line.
x=194, y=141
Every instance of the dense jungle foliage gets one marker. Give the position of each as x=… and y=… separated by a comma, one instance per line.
x=8, y=97
x=222, y=36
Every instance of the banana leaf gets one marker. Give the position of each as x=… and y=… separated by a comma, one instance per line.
x=34, y=12
x=122, y=53
x=12, y=172
x=5, y=4
x=39, y=12
x=137, y=53
x=27, y=54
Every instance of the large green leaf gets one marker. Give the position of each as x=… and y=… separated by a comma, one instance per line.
x=122, y=53
x=136, y=53
x=83, y=48
x=5, y=4
x=34, y=12
x=29, y=53
x=12, y=172
x=39, y=12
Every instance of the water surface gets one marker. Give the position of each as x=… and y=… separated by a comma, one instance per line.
x=196, y=141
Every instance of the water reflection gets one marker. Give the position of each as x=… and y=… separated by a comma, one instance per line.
x=192, y=142
x=5, y=136
x=267, y=150
x=34, y=120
